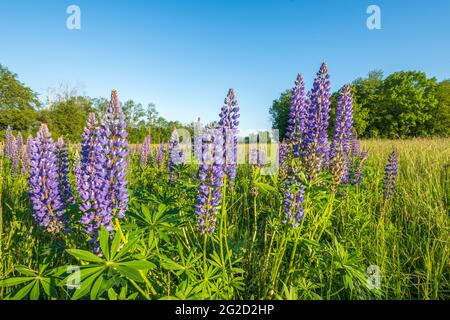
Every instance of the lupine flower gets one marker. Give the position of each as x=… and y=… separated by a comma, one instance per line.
x=253, y=154
x=297, y=116
x=44, y=185
x=198, y=132
x=104, y=168
x=211, y=173
x=16, y=149
x=111, y=152
x=229, y=122
x=160, y=155
x=315, y=141
x=283, y=159
x=145, y=152
x=26, y=156
x=340, y=146
x=62, y=155
x=355, y=163
x=293, y=202
x=88, y=184
x=390, y=178
x=176, y=155
x=9, y=143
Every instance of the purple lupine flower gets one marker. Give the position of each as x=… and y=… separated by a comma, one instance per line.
x=62, y=155
x=340, y=146
x=90, y=180
x=111, y=152
x=198, y=132
x=145, y=152
x=26, y=155
x=297, y=116
x=253, y=154
x=229, y=122
x=44, y=185
x=175, y=154
x=211, y=173
x=160, y=155
x=315, y=140
x=9, y=143
x=293, y=202
x=16, y=150
x=390, y=178
x=283, y=159
x=355, y=163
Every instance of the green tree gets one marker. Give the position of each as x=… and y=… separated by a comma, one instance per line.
x=442, y=114
x=279, y=112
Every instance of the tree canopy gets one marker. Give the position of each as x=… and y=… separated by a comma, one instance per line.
x=404, y=104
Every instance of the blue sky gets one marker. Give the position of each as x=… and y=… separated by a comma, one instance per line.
x=184, y=55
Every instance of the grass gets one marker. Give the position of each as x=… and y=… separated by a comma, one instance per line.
x=251, y=255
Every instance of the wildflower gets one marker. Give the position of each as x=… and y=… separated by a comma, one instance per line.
x=198, y=131
x=9, y=143
x=391, y=172
x=297, y=116
x=355, y=163
x=293, y=202
x=340, y=146
x=315, y=141
x=160, y=155
x=111, y=151
x=229, y=122
x=62, y=155
x=44, y=185
x=175, y=153
x=145, y=152
x=211, y=173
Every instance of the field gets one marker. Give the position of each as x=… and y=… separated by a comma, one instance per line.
x=157, y=251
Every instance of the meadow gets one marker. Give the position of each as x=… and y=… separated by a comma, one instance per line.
x=407, y=238
x=340, y=219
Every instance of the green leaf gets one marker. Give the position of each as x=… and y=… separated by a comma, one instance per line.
x=25, y=271
x=24, y=291
x=35, y=292
x=104, y=241
x=85, y=255
x=96, y=287
x=130, y=273
x=14, y=281
x=85, y=286
x=168, y=264
x=112, y=295
x=115, y=245
x=139, y=264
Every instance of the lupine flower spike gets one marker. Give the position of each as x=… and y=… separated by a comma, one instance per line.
x=44, y=184
x=63, y=173
x=340, y=146
x=211, y=174
x=315, y=141
x=229, y=116
x=297, y=116
x=145, y=152
x=390, y=178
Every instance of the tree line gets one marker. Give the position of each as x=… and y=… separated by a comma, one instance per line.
x=66, y=116
x=402, y=105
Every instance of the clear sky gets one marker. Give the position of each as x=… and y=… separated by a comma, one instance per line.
x=184, y=55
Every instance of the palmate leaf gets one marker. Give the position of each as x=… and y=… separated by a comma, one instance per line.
x=22, y=293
